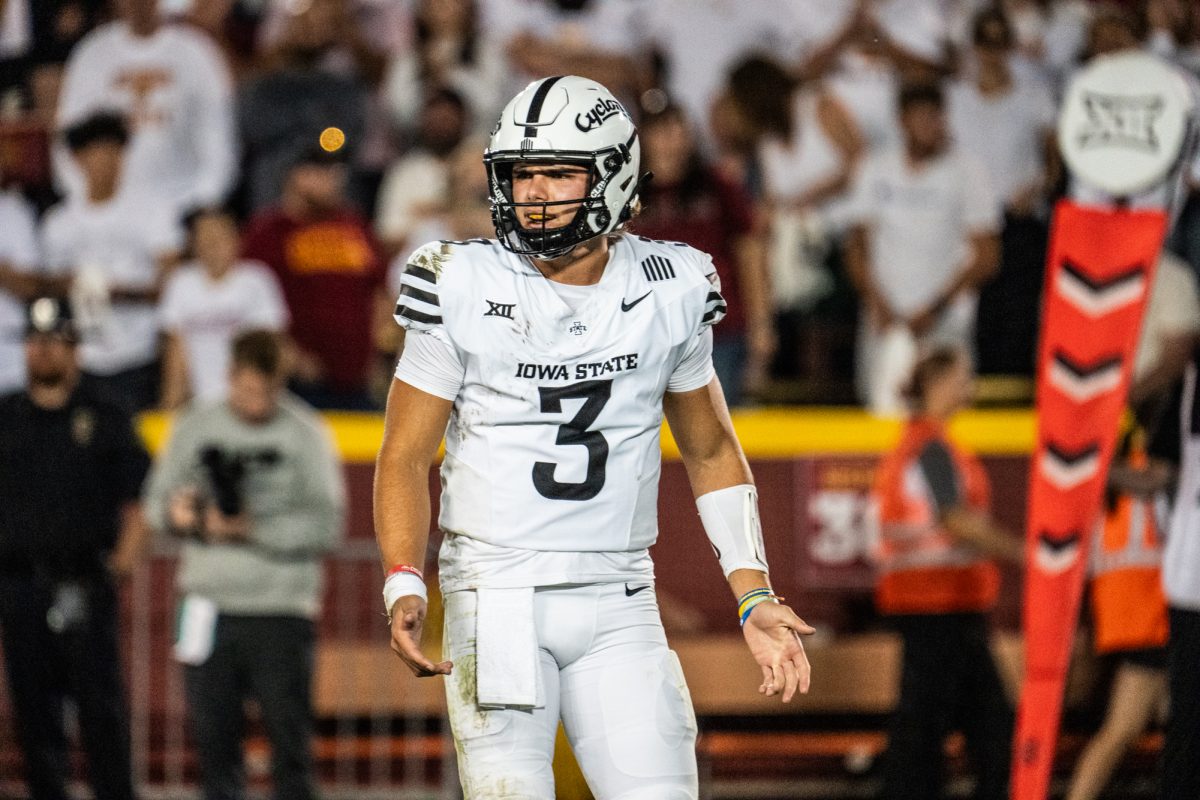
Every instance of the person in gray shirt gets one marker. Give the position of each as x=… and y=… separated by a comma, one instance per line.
x=253, y=487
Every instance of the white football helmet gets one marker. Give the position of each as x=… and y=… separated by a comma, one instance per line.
x=564, y=120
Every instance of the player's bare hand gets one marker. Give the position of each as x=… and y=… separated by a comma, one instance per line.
x=408, y=620
x=773, y=634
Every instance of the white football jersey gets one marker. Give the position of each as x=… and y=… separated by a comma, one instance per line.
x=553, y=443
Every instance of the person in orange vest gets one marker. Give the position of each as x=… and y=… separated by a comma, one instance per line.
x=1129, y=619
x=937, y=581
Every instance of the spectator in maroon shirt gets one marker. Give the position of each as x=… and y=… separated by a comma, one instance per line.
x=690, y=202
x=332, y=274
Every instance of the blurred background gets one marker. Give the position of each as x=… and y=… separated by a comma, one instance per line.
x=306, y=147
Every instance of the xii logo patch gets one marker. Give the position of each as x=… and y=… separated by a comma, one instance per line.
x=1117, y=120
x=499, y=309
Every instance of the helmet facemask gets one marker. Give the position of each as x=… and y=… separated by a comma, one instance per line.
x=591, y=219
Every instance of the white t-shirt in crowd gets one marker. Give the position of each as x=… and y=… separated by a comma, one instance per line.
x=920, y=28
x=919, y=222
x=206, y=314
x=601, y=25
x=1005, y=133
x=123, y=240
x=868, y=89
x=176, y=89
x=415, y=185
x=792, y=168
x=1172, y=310
x=702, y=40
x=18, y=252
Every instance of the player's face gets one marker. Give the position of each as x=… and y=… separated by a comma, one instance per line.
x=253, y=396
x=548, y=183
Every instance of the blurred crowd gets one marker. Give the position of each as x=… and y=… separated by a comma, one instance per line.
x=872, y=177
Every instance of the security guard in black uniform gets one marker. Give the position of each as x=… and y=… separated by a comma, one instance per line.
x=71, y=471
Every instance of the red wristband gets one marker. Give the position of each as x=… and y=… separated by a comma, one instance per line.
x=404, y=568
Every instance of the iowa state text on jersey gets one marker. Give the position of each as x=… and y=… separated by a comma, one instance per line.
x=564, y=372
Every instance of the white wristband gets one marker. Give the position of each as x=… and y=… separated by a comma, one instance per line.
x=730, y=518
x=402, y=584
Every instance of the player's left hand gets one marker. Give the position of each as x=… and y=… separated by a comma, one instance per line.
x=773, y=634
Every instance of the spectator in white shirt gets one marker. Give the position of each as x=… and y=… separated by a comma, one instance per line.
x=593, y=38
x=924, y=238
x=1006, y=122
x=19, y=283
x=415, y=188
x=117, y=245
x=452, y=51
x=173, y=86
x=698, y=42
x=206, y=303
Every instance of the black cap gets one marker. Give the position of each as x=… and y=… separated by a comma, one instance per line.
x=50, y=315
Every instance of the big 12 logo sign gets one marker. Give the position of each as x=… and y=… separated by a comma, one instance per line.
x=841, y=525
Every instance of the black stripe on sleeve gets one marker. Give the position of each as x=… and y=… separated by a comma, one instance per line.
x=417, y=294
x=413, y=315
x=420, y=272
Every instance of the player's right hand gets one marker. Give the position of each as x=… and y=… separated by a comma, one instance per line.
x=408, y=618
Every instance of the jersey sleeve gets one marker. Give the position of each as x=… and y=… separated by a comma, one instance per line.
x=419, y=307
x=432, y=365
x=695, y=369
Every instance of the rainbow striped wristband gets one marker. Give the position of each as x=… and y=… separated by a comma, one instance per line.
x=750, y=599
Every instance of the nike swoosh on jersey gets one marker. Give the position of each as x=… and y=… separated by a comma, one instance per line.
x=631, y=592
x=626, y=306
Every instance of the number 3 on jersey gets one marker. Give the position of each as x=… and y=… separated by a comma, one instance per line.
x=595, y=395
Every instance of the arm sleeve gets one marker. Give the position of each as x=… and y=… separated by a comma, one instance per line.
x=431, y=364
x=170, y=314
x=131, y=459
x=216, y=134
x=714, y=303
x=419, y=307
x=271, y=312
x=695, y=369
x=937, y=465
x=171, y=470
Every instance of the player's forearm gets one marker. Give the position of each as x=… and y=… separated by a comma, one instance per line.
x=746, y=580
x=402, y=513
x=722, y=467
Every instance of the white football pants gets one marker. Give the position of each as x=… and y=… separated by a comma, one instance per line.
x=606, y=669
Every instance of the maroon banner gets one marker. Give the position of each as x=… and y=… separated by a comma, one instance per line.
x=1098, y=277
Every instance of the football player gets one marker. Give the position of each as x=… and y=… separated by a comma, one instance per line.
x=547, y=358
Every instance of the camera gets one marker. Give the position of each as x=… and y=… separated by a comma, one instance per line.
x=227, y=473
